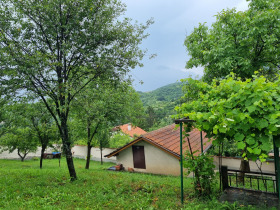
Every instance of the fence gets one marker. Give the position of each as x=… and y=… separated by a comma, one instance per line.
x=257, y=181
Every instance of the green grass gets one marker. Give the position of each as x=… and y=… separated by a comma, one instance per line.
x=24, y=186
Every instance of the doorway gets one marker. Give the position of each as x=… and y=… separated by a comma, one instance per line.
x=139, y=157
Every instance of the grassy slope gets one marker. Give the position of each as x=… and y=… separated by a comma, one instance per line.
x=25, y=186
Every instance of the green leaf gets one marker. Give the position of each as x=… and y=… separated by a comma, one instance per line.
x=251, y=109
x=262, y=124
x=223, y=129
x=241, y=145
x=239, y=136
x=250, y=140
x=266, y=146
x=250, y=149
x=257, y=151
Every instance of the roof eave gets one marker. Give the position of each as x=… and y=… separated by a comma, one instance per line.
x=114, y=153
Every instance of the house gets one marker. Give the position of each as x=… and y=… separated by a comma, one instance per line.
x=130, y=130
x=158, y=151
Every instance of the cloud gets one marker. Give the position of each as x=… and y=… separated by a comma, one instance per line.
x=242, y=6
x=195, y=71
x=173, y=21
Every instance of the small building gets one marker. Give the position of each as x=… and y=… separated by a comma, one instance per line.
x=130, y=130
x=158, y=152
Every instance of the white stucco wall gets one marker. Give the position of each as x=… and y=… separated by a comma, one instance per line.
x=78, y=152
x=234, y=163
x=14, y=155
x=157, y=161
x=81, y=152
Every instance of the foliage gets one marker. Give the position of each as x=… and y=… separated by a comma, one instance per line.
x=106, y=105
x=118, y=139
x=239, y=42
x=42, y=124
x=22, y=140
x=103, y=139
x=228, y=149
x=4, y=120
x=190, y=88
x=247, y=112
x=171, y=92
x=203, y=168
x=32, y=118
x=159, y=105
x=96, y=188
x=55, y=48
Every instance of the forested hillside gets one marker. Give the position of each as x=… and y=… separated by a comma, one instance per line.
x=159, y=105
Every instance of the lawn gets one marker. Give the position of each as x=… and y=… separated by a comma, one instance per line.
x=23, y=185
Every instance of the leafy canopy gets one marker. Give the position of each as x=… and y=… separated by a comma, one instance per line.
x=55, y=48
x=246, y=111
x=239, y=42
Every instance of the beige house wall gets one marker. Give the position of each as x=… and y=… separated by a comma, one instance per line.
x=157, y=161
x=234, y=163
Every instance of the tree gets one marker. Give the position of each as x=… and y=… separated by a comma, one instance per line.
x=4, y=122
x=28, y=125
x=151, y=116
x=55, y=48
x=40, y=121
x=22, y=140
x=108, y=104
x=103, y=138
x=247, y=112
x=118, y=139
x=239, y=42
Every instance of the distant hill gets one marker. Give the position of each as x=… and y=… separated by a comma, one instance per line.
x=160, y=104
x=171, y=93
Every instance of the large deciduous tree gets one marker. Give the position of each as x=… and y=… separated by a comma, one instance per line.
x=239, y=42
x=55, y=48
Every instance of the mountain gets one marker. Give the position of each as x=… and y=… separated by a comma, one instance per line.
x=168, y=93
x=159, y=105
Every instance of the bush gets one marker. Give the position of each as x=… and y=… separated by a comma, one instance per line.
x=203, y=168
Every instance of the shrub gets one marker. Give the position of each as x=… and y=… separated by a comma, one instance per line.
x=203, y=168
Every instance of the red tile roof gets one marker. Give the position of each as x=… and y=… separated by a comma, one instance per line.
x=168, y=139
x=134, y=130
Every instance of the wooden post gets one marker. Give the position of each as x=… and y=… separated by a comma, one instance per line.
x=224, y=174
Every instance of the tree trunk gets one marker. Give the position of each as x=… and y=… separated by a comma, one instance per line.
x=101, y=156
x=42, y=155
x=88, y=155
x=67, y=149
x=88, y=144
x=21, y=157
x=69, y=160
x=244, y=167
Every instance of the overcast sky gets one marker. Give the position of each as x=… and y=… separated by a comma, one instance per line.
x=174, y=20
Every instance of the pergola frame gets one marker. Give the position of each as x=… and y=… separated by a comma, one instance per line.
x=277, y=165
x=275, y=148
x=181, y=121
